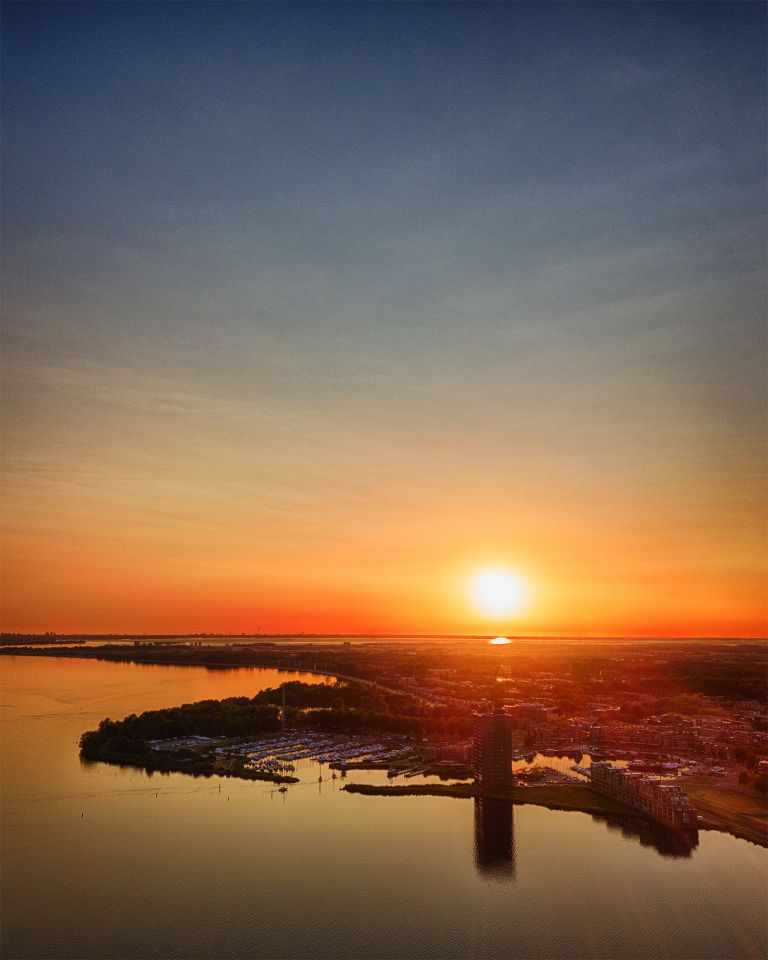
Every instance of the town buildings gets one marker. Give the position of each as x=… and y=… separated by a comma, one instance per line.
x=660, y=800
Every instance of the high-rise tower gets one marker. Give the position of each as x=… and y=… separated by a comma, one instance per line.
x=493, y=751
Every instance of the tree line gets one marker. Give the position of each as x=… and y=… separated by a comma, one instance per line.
x=342, y=707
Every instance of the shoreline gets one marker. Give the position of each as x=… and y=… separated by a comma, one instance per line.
x=576, y=798
x=728, y=812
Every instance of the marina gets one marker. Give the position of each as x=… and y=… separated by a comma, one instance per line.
x=281, y=753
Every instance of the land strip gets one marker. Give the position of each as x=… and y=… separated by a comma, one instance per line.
x=571, y=796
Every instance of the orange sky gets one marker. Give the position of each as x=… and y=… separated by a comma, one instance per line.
x=390, y=544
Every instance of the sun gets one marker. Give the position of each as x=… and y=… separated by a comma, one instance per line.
x=497, y=593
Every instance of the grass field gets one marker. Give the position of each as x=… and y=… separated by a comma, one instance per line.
x=742, y=814
x=570, y=796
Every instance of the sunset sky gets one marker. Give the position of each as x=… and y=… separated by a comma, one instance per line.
x=313, y=312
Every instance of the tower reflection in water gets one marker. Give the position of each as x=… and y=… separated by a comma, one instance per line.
x=495, y=839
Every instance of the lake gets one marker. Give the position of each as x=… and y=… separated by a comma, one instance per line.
x=106, y=862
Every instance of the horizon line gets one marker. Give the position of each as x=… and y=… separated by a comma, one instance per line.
x=286, y=635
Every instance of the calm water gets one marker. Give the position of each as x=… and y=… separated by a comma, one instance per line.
x=100, y=862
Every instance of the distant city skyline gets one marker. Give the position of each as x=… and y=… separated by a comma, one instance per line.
x=313, y=313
